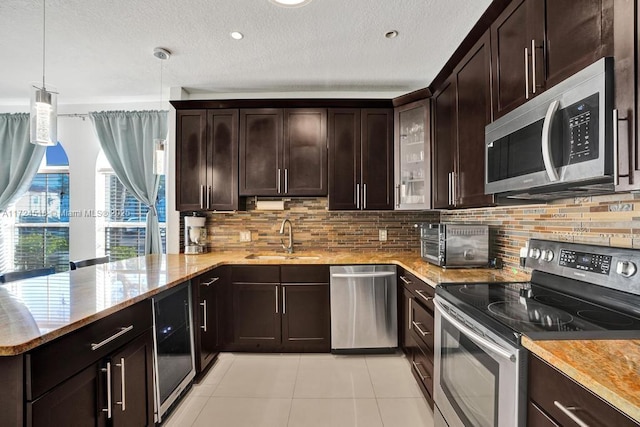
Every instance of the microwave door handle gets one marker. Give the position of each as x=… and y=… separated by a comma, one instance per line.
x=481, y=341
x=546, y=141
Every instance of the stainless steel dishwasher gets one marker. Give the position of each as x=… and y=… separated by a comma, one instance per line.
x=363, y=308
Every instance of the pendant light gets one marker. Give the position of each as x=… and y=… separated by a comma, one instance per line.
x=159, y=144
x=44, y=104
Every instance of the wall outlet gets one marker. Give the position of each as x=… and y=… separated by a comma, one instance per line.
x=382, y=235
x=245, y=236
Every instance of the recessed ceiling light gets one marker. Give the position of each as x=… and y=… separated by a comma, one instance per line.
x=391, y=34
x=237, y=35
x=290, y=3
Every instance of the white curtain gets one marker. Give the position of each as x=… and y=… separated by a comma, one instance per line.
x=19, y=159
x=127, y=139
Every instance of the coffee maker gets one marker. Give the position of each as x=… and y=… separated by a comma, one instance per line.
x=195, y=235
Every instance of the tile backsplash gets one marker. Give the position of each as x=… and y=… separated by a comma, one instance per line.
x=316, y=228
x=612, y=220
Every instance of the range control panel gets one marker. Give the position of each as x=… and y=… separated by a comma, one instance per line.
x=615, y=268
x=585, y=261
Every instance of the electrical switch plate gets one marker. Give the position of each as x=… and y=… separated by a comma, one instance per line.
x=245, y=236
x=382, y=235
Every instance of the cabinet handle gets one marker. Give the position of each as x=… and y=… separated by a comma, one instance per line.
x=204, y=315
x=208, y=197
x=357, y=196
x=364, y=196
x=108, y=408
x=286, y=180
x=277, y=310
x=568, y=412
x=526, y=73
x=210, y=282
x=123, y=402
x=278, y=180
x=417, y=326
x=616, y=174
x=449, y=186
x=111, y=338
x=426, y=298
x=202, y=197
x=284, y=300
x=415, y=366
x=404, y=279
x=397, y=196
x=454, y=191
x=410, y=314
x=533, y=66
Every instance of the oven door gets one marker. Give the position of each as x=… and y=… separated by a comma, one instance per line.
x=479, y=379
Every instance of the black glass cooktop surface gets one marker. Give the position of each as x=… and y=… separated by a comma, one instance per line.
x=538, y=311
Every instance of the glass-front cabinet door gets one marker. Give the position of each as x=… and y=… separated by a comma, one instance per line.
x=412, y=156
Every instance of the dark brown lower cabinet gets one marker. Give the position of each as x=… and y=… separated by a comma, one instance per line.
x=208, y=289
x=117, y=391
x=416, y=326
x=256, y=316
x=557, y=400
x=74, y=402
x=305, y=317
x=280, y=308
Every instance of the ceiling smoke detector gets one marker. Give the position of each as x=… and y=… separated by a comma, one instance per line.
x=161, y=53
x=290, y=3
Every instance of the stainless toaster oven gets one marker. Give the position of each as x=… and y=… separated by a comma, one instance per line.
x=455, y=245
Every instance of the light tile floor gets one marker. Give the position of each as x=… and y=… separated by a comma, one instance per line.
x=308, y=390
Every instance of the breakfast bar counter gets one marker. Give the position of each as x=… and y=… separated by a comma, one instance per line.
x=38, y=310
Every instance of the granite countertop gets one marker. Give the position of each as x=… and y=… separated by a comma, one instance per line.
x=38, y=310
x=609, y=368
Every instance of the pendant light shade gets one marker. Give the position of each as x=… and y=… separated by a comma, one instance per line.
x=44, y=103
x=159, y=158
x=43, y=118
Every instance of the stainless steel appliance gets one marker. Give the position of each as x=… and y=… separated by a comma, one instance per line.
x=559, y=144
x=455, y=245
x=173, y=344
x=195, y=235
x=363, y=308
x=576, y=292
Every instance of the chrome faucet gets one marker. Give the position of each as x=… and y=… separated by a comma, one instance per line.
x=288, y=248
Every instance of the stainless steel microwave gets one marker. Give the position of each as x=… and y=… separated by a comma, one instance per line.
x=558, y=144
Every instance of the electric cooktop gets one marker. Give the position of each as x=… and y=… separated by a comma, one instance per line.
x=576, y=292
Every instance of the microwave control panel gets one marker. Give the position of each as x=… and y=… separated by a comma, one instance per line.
x=581, y=130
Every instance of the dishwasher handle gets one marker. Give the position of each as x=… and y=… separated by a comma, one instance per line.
x=364, y=274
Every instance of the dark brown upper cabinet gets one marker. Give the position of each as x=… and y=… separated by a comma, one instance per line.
x=627, y=74
x=283, y=152
x=537, y=44
x=360, y=159
x=207, y=160
x=461, y=110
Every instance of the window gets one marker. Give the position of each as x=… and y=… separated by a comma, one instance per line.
x=121, y=218
x=37, y=226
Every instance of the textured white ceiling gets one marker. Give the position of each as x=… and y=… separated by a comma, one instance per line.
x=102, y=49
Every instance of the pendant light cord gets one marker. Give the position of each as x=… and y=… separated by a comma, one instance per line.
x=44, y=27
x=161, y=61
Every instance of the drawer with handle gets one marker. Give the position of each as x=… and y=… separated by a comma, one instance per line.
x=422, y=326
x=564, y=402
x=52, y=363
x=422, y=366
x=423, y=292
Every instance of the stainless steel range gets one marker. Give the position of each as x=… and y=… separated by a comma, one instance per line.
x=576, y=292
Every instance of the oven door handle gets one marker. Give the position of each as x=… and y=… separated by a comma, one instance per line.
x=546, y=141
x=473, y=336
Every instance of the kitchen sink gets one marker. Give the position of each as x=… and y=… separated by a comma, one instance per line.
x=283, y=257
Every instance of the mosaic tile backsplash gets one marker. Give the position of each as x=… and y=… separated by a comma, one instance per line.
x=316, y=228
x=603, y=220
x=612, y=220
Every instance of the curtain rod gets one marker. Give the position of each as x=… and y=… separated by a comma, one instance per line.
x=82, y=116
